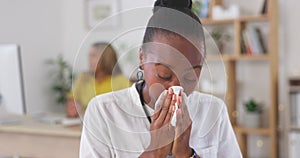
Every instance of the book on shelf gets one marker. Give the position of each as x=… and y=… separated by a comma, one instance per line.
x=252, y=41
x=261, y=41
x=264, y=9
x=247, y=43
x=243, y=44
x=295, y=108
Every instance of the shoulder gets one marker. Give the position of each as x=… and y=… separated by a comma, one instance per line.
x=110, y=99
x=206, y=101
x=120, y=82
x=84, y=77
x=115, y=107
x=113, y=95
x=120, y=78
x=206, y=111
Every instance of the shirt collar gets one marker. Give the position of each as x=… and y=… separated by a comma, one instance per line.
x=136, y=99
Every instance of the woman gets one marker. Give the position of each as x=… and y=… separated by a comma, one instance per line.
x=104, y=75
x=136, y=122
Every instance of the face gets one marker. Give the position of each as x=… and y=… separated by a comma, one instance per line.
x=94, y=57
x=171, y=62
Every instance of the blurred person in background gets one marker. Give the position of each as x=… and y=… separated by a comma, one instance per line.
x=104, y=75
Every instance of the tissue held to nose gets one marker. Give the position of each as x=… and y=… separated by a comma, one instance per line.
x=176, y=90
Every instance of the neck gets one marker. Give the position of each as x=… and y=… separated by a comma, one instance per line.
x=147, y=97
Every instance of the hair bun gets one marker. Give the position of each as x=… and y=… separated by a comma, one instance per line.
x=180, y=4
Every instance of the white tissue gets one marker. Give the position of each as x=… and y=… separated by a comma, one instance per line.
x=176, y=90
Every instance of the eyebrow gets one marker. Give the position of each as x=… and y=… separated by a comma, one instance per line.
x=195, y=67
x=169, y=66
x=166, y=65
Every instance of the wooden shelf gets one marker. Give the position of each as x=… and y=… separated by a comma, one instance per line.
x=294, y=78
x=293, y=85
x=253, y=18
x=219, y=57
x=234, y=58
x=232, y=20
x=245, y=130
x=263, y=56
x=220, y=21
x=295, y=89
x=231, y=62
x=295, y=128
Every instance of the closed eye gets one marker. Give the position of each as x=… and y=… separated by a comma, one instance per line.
x=190, y=80
x=165, y=77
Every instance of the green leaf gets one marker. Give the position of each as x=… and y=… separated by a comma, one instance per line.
x=61, y=74
x=57, y=88
x=253, y=106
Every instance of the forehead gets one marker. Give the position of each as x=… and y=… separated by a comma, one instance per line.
x=173, y=50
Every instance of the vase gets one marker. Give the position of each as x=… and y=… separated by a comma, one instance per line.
x=252, y=120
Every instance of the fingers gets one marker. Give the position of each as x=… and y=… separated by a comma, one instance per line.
x=182, y=114
x=171, y=110
x=165, y=107
x=172, y=130
x=160, y=103
x=181, y=103
x=180, y=98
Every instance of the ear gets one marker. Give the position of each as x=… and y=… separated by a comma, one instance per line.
x=141, y=56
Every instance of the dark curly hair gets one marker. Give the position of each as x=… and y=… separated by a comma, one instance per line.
x=174, y=18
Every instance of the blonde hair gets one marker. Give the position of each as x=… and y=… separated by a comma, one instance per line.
x=108, y=61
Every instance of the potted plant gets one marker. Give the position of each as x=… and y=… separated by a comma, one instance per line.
x=252, y=118
x=61, y=73
x=220, y=37
x=196, y=7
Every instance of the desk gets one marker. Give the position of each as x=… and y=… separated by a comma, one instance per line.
x=32, y=138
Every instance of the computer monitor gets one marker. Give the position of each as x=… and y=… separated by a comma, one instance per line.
x=12, y=98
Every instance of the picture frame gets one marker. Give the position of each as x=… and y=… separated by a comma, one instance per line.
x=98, y=11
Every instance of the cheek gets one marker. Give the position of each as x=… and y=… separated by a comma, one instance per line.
x=189, y=88
x=150, y=77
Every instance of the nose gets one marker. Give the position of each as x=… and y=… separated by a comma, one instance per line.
x=174, y=82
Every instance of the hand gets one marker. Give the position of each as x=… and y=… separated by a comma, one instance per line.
x=181, y=146
x=71, y=109
x=162, y=133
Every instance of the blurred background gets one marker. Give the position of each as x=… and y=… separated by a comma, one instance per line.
x=252, y=64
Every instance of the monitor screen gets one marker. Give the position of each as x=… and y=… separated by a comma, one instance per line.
x=12, y=99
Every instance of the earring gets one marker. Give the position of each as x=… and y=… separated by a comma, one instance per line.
x=140, y=73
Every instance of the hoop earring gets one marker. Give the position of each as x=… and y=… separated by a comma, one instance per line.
x=140, y=74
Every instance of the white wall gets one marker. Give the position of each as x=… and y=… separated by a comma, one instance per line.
x=36, y=26
x=44, y=29
x=75, y=29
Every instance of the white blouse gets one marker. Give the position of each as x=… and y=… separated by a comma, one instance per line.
x=115, y=125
